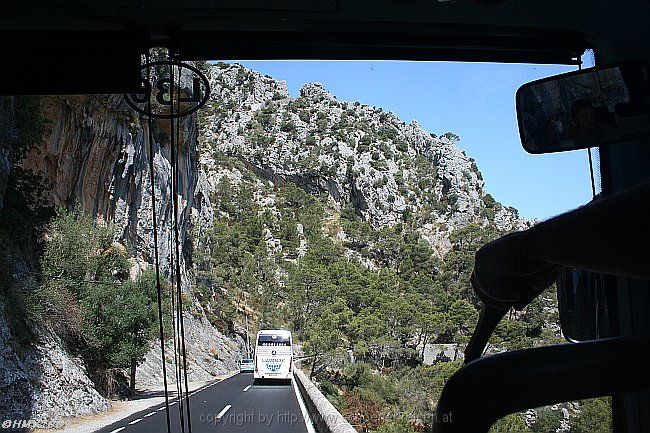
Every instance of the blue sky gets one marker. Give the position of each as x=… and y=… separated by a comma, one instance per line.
x=475, y=101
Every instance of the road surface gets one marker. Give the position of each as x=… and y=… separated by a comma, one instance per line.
x=234, y=405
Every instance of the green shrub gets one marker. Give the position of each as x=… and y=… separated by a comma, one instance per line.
x=304, y=116
x=595, y=416
x=288, y=126
x=401, y=145
x=88, y=298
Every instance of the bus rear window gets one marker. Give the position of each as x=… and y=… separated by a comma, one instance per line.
x=273, y=340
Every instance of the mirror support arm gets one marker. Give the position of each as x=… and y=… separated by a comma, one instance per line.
x=487, y=389
x=609, y=236
x=488, y=320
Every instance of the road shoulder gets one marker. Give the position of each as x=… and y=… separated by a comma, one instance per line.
x=121, y=409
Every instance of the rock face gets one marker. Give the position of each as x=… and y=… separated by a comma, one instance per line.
x=7, y=137
x=210, y=354
x=95, y=156
x=41, y=382
x=359, y=155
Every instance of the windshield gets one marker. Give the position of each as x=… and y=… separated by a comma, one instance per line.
x=343, y=201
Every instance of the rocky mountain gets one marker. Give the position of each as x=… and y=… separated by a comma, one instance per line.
x=94, y=156
x=42, y=382
x=252, y=135
x=359, y=155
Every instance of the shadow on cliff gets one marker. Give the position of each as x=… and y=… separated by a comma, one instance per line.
x=21, y=363
x=20, y=358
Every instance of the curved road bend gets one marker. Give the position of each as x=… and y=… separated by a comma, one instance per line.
x=234, y=405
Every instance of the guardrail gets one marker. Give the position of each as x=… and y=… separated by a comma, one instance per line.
x=323, y=414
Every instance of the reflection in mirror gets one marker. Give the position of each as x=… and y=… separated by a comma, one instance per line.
x=585, y=109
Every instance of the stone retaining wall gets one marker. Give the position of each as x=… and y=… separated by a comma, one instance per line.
x=323, y=414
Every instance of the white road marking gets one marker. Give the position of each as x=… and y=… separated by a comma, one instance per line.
x=118, y=429
x=203, y=388
x=162, y=408
x=135, y=421
x=303, y=408
x=223, y=411
x=149, y=414
x=247, y=388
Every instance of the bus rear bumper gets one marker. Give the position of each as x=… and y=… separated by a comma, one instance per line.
x=272, y=376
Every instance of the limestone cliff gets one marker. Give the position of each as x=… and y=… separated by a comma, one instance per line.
x=41, y=382
x=95, y=156
x=357, y=154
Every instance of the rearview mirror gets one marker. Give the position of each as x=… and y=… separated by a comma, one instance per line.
x=587, y=108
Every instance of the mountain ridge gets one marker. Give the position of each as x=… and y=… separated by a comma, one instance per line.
x=296, y=169
x=356, y=153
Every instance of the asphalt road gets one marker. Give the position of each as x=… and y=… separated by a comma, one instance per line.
x=233, y=405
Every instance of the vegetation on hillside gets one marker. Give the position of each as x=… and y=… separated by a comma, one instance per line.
x=90, y=301
x=23, y=217
x=363, y=301
x=63, y=269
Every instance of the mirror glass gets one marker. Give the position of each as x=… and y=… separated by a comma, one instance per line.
x=586, y=310
x=588, y=108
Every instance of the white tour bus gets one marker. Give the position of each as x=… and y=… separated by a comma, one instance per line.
x=273, y=355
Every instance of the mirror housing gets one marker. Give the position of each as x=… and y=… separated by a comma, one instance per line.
x=587, y=307
x=587, y=108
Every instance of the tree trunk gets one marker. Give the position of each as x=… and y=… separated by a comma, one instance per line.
x=313, y=368
x=132, y=383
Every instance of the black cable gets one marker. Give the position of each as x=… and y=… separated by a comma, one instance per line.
x=173, y=309
x=591, y=166
x=177, y=368
x=175, y=263
x=591, y=172
x=177, y=243
x=155, y=248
